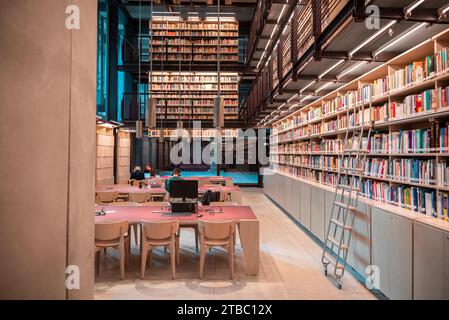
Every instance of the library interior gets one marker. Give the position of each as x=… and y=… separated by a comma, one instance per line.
x=224, y=150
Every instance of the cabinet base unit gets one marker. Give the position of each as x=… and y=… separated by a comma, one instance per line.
x=405, y=255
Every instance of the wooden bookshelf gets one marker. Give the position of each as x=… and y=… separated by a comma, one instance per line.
x=407, y=101
x=174, y=39
x=105, y=155
x=123, y=156
x=190, y=95
x=193, y=133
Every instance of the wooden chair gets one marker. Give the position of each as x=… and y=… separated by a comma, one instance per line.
x=112, y=235
x=106, y=196
x=203, y=182
x=156, y=234
x=217, y=233
x=139, y=197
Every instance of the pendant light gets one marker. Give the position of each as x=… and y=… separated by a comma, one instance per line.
x=218, y=100
x=150, y=112
x=139, y=129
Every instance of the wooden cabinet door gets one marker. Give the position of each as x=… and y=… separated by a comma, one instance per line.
x=428, y=262
x=317, y=212
x=380, y=220
x=305, y=205
x=401, y=258
x=446, y=267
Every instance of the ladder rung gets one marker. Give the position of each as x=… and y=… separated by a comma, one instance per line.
x=341, y=225
x=345, y=187
x=335, y=242
x=331, y=262
x=345, y=206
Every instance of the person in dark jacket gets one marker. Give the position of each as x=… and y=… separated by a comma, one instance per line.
x=137, y=174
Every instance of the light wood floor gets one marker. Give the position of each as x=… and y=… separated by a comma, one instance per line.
x=289, y=264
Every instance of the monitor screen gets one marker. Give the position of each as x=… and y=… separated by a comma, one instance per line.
x=184, y=189
x=147, y=175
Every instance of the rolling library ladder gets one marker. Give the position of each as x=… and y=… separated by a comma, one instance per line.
x=347, y=190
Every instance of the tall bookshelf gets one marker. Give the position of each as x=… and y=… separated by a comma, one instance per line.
x=407, y=100
x=175, y=39
x=190, y=95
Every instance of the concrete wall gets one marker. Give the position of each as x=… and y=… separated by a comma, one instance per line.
x=47, y=141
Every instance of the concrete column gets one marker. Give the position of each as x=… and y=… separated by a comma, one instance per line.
x=47, y=157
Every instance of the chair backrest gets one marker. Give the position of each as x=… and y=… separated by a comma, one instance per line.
x=217, y=230
x=107, y=196
x=203, y=181
x=123, y=203
x=155, y=203
x=105, y=231
x=222, y=204
x=139, y=197
x=159, y=230
x=134, y=182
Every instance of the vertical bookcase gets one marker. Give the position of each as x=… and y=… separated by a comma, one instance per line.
x=407, y=100
x=105, y=156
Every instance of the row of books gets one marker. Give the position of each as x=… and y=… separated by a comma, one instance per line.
x=193, y=110
x=192, y=25
x=422, y=140
x=194, y=42
x=190, y=86
x=194, y=103
x=418, y=199
x=162, y=116
x=194, y=78
x=193, y=33
x=192, y=132
x=193, y=96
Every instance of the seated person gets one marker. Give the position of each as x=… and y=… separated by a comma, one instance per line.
x=149, y=170
x=176, y=175
x=137, y=174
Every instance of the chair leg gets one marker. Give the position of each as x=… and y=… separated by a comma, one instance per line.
x=202, y=260
x=231, y=261
x=173, y=260
x=196, y=238
x=122, y=261
x=127, y=252
x=177, y=250
x=143, y=262
x=135, y=233
x=97, y=261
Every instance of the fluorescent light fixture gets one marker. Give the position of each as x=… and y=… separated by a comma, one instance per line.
x=371, y=38
x=351, y=69
x=324, y=86
x=293, y=106
x=305, y=97
x=288, y=101
x=408, y=10
x=331, y=68
x=281, y=106
x=307, y=86
x=400, y=38
x=282, y=12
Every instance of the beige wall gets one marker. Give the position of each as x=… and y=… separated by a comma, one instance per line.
x=47, y=141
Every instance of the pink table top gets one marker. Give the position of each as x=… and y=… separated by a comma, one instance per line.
x=120, y=188
x=135, y=214
x=213, y=178
x=219, y=188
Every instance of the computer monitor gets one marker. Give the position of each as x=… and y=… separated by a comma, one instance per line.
x=185, y=189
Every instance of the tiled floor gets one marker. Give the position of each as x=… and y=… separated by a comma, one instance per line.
x=289, y=268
